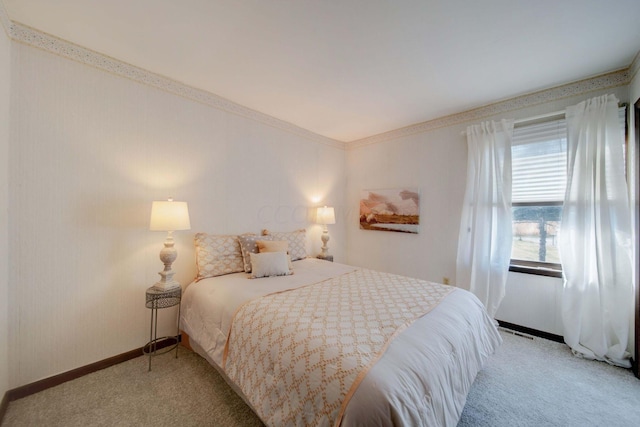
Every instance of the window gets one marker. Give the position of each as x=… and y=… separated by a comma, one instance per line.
x=539, y=178
x=539, y=174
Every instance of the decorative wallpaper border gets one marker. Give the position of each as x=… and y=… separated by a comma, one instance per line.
x=52, y=44
x=604, y=81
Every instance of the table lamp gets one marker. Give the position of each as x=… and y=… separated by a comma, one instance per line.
x=168, y=216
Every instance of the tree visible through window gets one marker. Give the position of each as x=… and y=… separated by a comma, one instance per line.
x=535, y=231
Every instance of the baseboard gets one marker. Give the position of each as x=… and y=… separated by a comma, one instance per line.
x=530, y=331
x=37, y=386
x=4, y=405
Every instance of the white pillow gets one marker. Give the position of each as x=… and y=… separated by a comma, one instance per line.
x=274, y=246
x=269, y=264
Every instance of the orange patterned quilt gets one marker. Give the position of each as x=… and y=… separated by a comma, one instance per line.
x=299, y=355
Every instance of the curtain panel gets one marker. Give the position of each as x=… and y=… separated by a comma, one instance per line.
x=595, y=240
x=484, y=243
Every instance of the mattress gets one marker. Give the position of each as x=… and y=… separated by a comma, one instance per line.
x=419, y=375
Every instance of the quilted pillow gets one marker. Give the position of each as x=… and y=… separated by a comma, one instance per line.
x=269, y=264
x=249, y=245
x=297, y=241
x=217, y=255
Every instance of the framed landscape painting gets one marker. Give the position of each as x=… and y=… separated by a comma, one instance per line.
x=390, y=210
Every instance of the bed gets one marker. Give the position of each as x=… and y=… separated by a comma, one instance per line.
x=334, y=344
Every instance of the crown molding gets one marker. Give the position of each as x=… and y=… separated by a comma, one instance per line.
x=32, y=37
x=4, y=19
x=604, y=81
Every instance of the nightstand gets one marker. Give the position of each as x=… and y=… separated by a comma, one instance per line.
x=325, y=258
x=156, y=300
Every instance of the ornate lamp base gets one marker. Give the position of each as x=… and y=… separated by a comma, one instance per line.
x=325, y=248
x=168, y=254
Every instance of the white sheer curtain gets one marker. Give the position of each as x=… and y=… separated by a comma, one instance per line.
x=484, y=243
x=595, y=240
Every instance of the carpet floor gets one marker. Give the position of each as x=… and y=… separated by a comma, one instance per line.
x=528, y=382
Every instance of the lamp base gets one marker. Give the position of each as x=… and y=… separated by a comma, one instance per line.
x=325, y=246
x=168, y=254
x=166, y=286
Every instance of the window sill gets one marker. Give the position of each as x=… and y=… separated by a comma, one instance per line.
x=537, y=270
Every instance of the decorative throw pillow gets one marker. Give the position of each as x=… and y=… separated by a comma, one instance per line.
x=297, y=241
x=275, y=246
x=248, y=245
x=269, y=264
x=217, y=255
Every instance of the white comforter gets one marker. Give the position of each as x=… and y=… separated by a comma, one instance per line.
x=421, y=379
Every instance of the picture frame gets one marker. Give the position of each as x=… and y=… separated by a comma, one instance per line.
x=395, y=209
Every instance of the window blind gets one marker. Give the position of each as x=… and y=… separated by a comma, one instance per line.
x=539, y=160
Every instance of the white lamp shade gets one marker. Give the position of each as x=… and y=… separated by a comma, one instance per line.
x=169, y=216
x=326, y=215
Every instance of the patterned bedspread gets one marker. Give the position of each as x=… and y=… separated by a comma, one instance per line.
x=299, y=355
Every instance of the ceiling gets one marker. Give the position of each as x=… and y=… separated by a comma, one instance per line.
x=349, y=69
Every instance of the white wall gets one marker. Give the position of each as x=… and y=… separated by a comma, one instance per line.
x=427, y=161
x=90, y=151
x=435, y=162
x=634, y=96
x=5, y=88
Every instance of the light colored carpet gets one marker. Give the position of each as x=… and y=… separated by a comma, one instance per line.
x=541, y=383
x=186, y=391
x=526, y=383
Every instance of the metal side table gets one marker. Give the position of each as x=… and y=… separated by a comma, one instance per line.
x=158, y=299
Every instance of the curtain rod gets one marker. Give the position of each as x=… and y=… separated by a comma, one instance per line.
x=540, y=117
x=532, y=119
x=546, y=116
